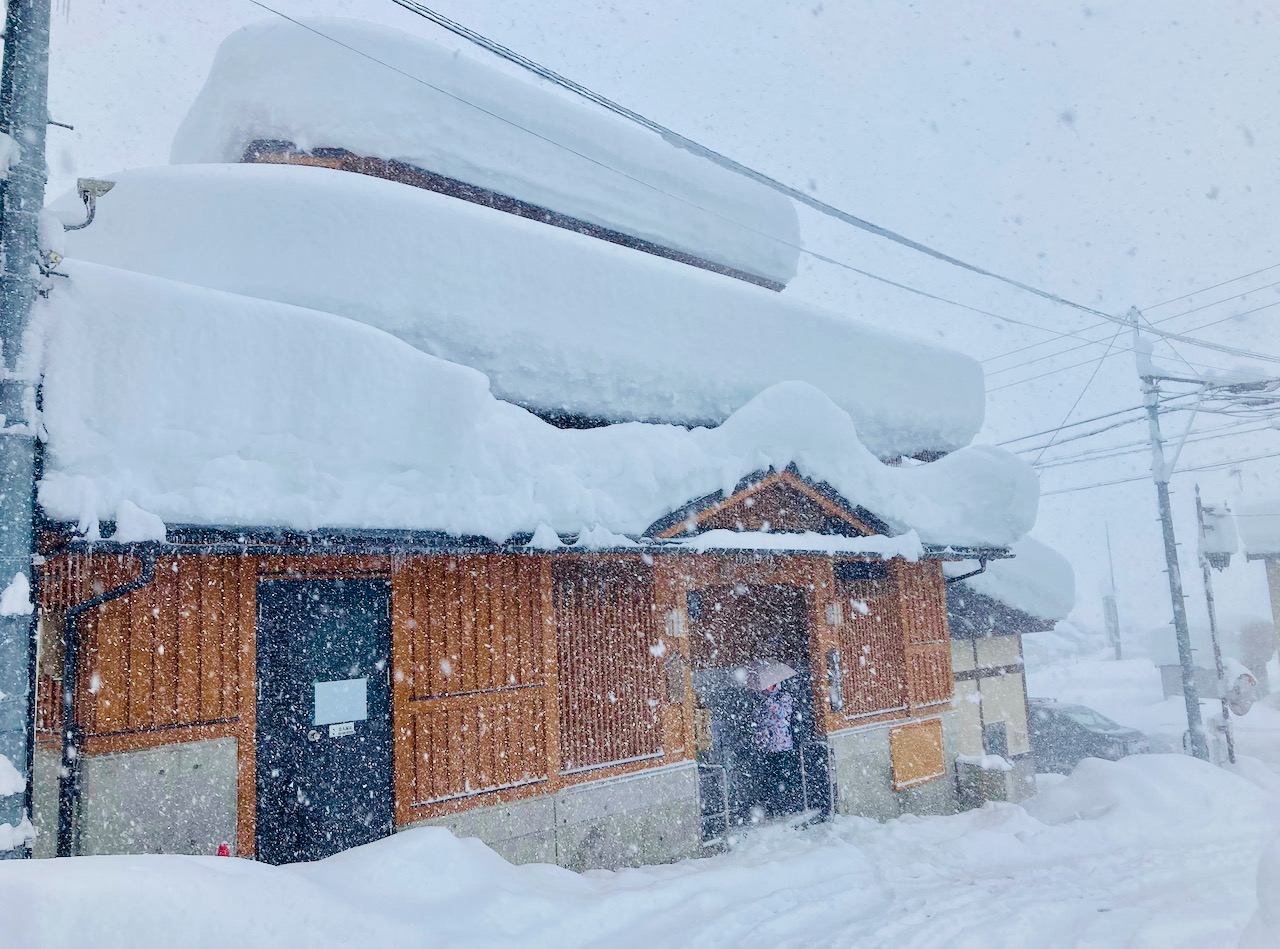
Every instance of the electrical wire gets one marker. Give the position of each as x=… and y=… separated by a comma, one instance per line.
x=1086, y=362
x=1187, y=296
x=675, y=138
x=732, y=165
x=1143, y=477
x=741, y=169
x=1086, y=421
x=1227, y=431
x=1093, y=375
x=1098, y=342
x=1245, y=293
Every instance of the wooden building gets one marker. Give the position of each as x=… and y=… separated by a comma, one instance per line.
x=296, y=694
x=240, y=678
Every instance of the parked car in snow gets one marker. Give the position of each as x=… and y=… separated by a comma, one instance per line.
x=1062, y=734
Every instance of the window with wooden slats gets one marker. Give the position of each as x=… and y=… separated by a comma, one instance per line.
x=873, y=662
x=610, y=680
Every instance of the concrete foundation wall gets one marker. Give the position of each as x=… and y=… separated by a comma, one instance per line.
x=44, y=802
x=649, y=817
x=863, y=775
x=173, y=799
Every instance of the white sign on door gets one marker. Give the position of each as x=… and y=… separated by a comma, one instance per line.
x=346, y=700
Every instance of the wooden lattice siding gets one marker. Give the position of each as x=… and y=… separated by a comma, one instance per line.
x=610, y=681
x=872, y=660
x=927, y=644
x=473, y=677
x=165, y=656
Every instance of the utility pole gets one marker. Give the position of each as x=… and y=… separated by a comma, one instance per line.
x=1160, y=472
x=24, y=114
x=1206, y=563
x=1109, y=608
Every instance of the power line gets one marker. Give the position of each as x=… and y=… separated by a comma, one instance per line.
x=1086, y=421
x=1215, y=286
x=732, y=165
x=1045, y=342
x=1093, y=375
x=740, y=168
x=1144, y=477
x=724, y=161
x=1101, y=339
x=1227, y=431
x=1230, y=428
x=1085, y=362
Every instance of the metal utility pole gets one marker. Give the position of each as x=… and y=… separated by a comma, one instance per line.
x=1160, y=472
x=1206, y=565
x=24, y=114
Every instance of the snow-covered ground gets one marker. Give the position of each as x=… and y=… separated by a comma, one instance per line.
x=1150, y=851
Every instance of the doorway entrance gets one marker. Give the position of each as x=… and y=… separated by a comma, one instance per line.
x=324, y=767
x=763, y=758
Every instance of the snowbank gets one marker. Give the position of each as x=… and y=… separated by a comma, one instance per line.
x=1147, y=792
x=1263, y=931
x=385, y=94
x=1036, y=580
x=203, y=407
x=992, y=878
x=558, y=322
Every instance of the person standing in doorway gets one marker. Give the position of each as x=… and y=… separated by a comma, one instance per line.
x=774, y=739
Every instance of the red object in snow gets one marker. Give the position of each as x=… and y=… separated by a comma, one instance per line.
x=224, y=850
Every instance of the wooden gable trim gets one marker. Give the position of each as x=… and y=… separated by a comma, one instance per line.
x=787, y=479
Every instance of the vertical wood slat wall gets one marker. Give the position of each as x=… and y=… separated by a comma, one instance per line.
x=473, y=688
x=164, y=657
x=171, y=662
x=476, y=648
x=607, y=644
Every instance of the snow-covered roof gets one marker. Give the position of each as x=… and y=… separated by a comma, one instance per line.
x=386, y=94
x=1258, y=526
x=559, y=322
x=204, y=407
x=1037, y=580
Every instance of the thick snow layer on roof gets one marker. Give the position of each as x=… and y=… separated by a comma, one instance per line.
x=1258, y=525
x=559, y=322
x=205, y=407
x=1036, y=580
x=381, y=93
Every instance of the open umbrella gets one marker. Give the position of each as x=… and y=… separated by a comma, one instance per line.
x=766, y=673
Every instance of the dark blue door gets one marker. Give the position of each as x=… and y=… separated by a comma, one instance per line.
x=324, y=717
